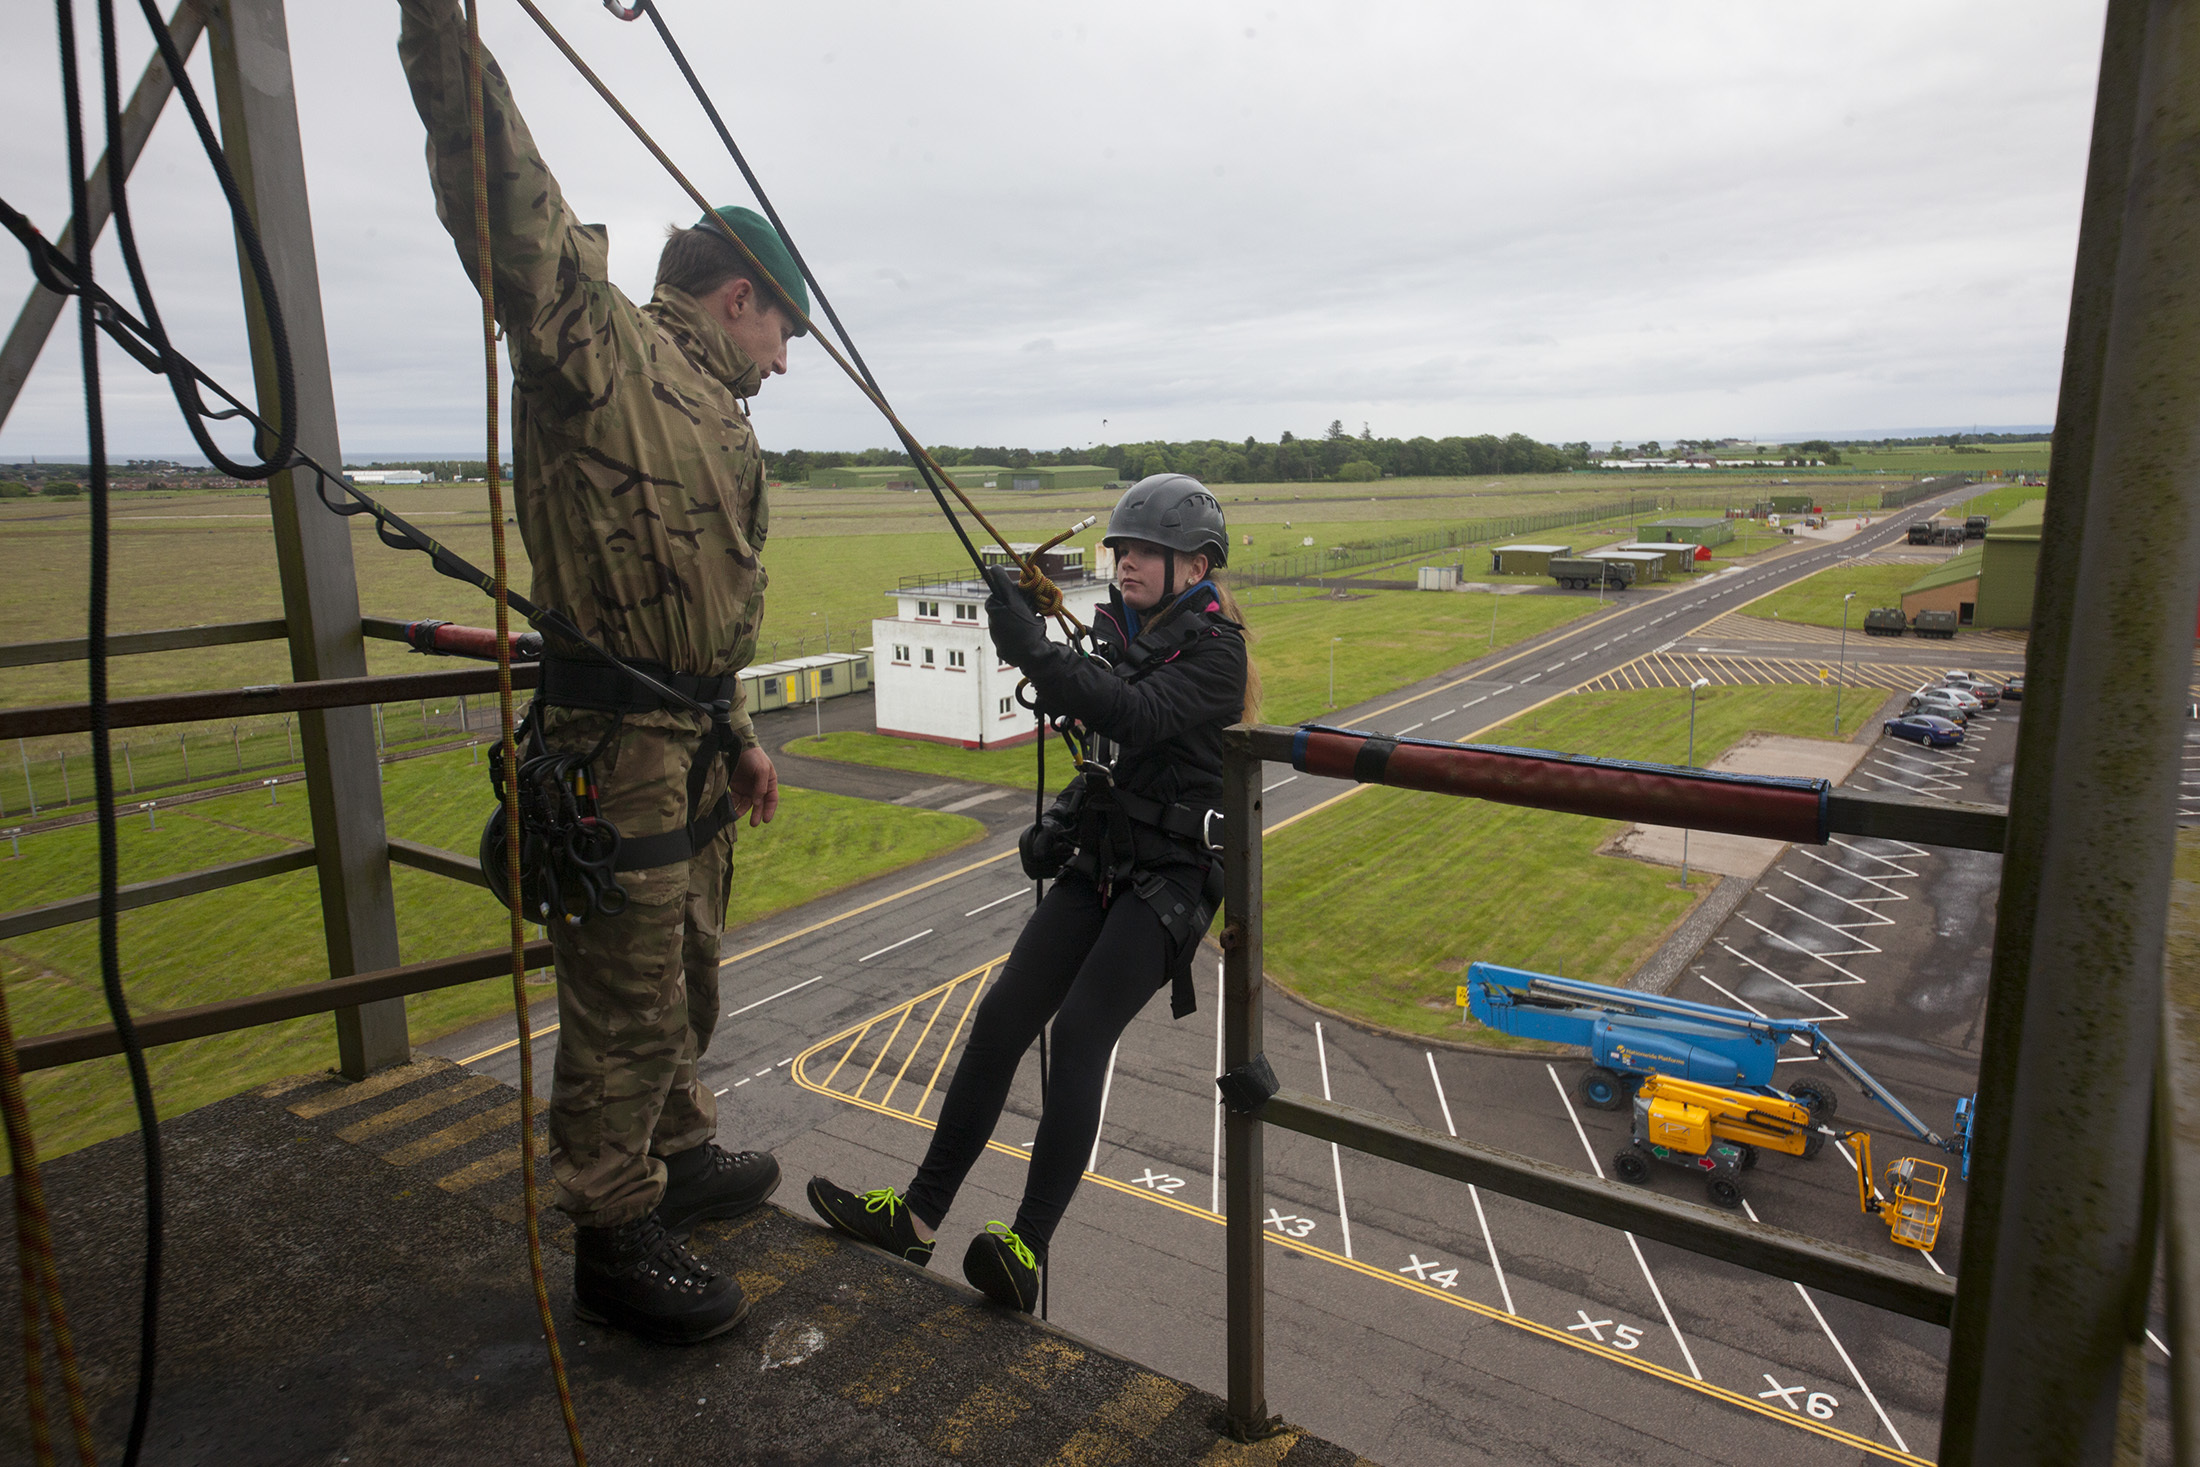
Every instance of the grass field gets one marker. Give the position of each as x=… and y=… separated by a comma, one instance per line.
x=267, y=934
x=1997, y=502
x=1016, y=766
x=1377, y=904
x=1816, y=601
x=2010, y=458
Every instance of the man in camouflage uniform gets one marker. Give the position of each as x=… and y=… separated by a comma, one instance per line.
x=639, y=488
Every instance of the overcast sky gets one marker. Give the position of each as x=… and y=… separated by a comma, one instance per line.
x=1051, y=226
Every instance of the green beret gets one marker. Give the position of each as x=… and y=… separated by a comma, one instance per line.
x=755, y=231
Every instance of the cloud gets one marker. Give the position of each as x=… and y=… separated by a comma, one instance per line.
x=1586, y=221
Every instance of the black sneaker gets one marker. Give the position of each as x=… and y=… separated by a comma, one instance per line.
x=1000, y=1267
x=878, y=1217
x=705, y=1184
x=639, y=1278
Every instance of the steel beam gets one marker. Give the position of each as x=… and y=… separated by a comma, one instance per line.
x=329, y=692
x=150, y=893
x=35, y=322
x=433, y=860
x=1245, y=1185
x=390, y=985
x=250, y=41
x=126, y=644
x=2055, y=1237
x=1883, y=1283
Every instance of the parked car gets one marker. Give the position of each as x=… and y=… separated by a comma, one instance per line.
x=1985, y=689
x=2013, y=688
x=1950, y=703
x=1925, y=728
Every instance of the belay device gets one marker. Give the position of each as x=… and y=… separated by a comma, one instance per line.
x=568, y=852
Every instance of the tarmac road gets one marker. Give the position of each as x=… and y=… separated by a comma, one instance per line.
x=1410, y=1318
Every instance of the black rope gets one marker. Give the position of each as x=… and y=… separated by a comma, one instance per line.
x=916, y=452
x=103, y=774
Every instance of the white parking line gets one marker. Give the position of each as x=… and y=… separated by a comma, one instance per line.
x=1473, y=1191
x=989, y=906
x=882, y=952
x=1655, y=1292
x=1336, y=1161
x=782, y=993
x=1838, y=1349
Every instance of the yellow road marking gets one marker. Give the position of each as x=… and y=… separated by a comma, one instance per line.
x=507, y=1044
x=940, y=1063
x=1548, y=1333
x=850, y=1050
x=915, y=1049
x=1122, y=1422
x=886, y=1048
x=414, y=1109
x=866, y=907
x=472, y=1128
x=315, y=1106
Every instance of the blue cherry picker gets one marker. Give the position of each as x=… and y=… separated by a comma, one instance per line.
x=1631, y=1036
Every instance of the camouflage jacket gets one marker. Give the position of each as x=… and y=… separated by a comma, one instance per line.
x=637, y=479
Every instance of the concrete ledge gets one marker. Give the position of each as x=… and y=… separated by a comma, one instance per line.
x=347, y=1282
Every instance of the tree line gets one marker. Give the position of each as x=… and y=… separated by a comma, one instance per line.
x=1334, y=455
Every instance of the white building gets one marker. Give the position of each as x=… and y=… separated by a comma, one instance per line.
x=934, y=671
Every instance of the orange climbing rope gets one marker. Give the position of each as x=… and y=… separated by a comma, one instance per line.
x=507, y=750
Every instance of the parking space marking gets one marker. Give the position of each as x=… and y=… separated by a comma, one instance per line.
x=1474, y=1193
x=1336, y=1157
x=1839, y=1349
x=1633, y=1246
x=1831, y=1013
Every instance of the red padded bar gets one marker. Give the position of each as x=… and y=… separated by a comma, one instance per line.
x=1774, y=809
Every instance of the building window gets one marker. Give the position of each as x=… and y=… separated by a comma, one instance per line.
x=901, y=653
x=957, y=660
x=928, y=657
x=771, y=687
x=1008, y=708
x=1023, y=482
x=928, y=611
x=825, y=677
x=966, y=611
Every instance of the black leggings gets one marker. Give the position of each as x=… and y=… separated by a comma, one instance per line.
x=1090, y=969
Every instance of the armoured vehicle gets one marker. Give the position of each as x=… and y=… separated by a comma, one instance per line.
x=1885, y=621
x=1940, y=624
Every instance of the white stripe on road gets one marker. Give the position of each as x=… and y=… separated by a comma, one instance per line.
x=1409, y=728
x=1636, y=1248
x=1473, y=1191
x=989, y=906
x=782, y=993
x=1838, y=1349
x=1279, y=784
x=1336, y=1161
x=1092, y=1164
x=882, y=952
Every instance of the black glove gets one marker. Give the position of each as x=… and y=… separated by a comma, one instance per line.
x=1018, y=633
x=1045, y=847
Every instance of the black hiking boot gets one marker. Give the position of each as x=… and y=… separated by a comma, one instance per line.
x=878, y=1217
x=1002, y=1268
x=705, y=1184
x=639, y=1278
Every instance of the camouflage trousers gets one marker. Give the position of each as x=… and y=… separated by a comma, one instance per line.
x=638, y=992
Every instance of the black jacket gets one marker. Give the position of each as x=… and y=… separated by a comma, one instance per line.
x=1162, y=699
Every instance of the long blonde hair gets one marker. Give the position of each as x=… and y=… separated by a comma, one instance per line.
x=1251, y=710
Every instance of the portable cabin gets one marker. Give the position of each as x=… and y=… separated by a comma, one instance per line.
x=827, y=675
x=1650, y=565
x=770, y=685
x=1687, y=529
x=1439, y=577
x=1525, y=560
x=1679, y=559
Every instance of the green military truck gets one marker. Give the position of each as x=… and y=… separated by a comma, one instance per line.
x=1885, y=621
x=1941, y=624
x=1579, y=573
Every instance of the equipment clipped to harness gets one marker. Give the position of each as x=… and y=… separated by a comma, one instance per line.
x=567, y=851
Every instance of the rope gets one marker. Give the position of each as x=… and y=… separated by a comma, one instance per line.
x=103, y=774
x=926, y=464
x=41, y=1284
x=484, y=266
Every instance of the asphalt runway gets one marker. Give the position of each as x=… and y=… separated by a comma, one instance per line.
x=1413, y=1319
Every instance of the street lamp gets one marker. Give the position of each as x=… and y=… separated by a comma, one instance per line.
x=1493, y=618
x=1841, y=666
x=1333, y=641
x=1702, y=682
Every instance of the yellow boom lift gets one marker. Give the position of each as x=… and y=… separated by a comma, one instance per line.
x=1713, y=1132
x=1911, y=1206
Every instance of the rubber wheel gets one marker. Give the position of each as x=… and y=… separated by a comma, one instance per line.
x=1629, y=1166
x=1601, y=1089
x=1814, y=1143
x=1820, y=1101
x=1749, y=1155
x=1723, y=1191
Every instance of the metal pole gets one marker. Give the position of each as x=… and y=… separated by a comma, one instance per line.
x=1841, y=668
x=64, y=776
x=1244, y=1186
x=2054, y=1240
x=1692, y=687
x=35, y=322
x=250, y=45
x=129, y=769
x=29, y=789
x=183, y=742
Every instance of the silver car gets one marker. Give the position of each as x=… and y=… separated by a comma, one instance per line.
x=1986, y=690
x=1950, y=703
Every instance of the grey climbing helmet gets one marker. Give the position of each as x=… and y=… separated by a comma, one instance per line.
x=1174, y=511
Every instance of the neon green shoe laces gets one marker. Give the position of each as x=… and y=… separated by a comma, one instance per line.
x=1016, y=1246
x=882, y=1198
